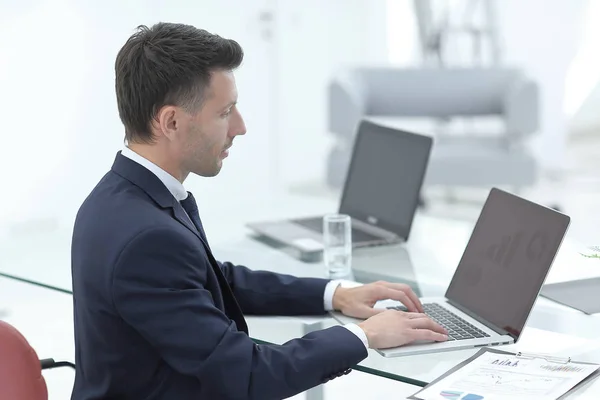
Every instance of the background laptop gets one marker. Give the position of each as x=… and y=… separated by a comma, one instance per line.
x=498, y=278
x=381, y=191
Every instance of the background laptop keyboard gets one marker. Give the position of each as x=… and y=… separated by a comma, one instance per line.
x=316, y=224
x=458, y=328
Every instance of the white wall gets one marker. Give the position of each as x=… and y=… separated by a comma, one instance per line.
x=42, y=68
x=61, y=128
x=402, y=34
x=542, y=37
x=582, y=100
x=586, y=120
x=315, y=39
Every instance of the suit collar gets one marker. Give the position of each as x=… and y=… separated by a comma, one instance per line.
x=175, y=187
x=144, y=179
x=154, y=187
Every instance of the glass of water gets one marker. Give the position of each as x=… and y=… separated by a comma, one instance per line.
x=337, y=251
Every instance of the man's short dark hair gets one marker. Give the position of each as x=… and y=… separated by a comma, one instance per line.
x=167, y=64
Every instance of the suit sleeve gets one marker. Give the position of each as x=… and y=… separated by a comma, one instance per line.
x=158, y=289
x=269, y=293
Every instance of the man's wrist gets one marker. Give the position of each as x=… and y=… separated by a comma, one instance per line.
x=339, y=298
x=330, y=289
x=359, y=332
x=366, y=331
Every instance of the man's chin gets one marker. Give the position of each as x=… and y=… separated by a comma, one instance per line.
x=212, y=172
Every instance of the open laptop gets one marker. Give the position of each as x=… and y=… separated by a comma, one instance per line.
x=381, y=191
x=498, y=278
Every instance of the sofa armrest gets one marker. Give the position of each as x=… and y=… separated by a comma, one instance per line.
x=347, y=104
x=521, y=109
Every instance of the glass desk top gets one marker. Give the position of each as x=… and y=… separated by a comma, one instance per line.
x=427, y=263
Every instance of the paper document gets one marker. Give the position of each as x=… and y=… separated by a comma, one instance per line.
x=495, y=375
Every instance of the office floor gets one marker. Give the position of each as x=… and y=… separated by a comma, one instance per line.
x=45, y=317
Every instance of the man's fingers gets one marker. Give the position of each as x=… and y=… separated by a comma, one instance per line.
x=407, y=290
x=415, y=299
x=385, y=293
x=427, y=323
x=368, y=312
x=362, y=311
x=413, y=315
x=426, y=334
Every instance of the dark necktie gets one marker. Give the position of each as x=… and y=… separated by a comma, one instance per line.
x=231, y=305
x=191, y=208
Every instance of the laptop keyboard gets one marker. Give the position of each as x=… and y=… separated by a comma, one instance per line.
x=458, y=328
x=316, y=224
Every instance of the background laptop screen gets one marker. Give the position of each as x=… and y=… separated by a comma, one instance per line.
x=507, y=259
x=385, y=177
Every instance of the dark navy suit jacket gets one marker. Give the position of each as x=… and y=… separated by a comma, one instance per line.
x=157, y=317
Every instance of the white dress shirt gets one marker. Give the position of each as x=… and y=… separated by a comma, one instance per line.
x=178, y=191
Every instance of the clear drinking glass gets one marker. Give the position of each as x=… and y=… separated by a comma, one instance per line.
x=337, y=239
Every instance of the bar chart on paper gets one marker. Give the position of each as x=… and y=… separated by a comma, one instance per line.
x=452, y=395
x=496, y=375
x=507, y=383
x=561, y=368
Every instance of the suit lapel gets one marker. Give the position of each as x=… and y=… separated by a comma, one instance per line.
x=147, y=181
x=181, y=216
x=231, y=304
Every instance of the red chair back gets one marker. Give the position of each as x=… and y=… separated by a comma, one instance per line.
x=20, y=371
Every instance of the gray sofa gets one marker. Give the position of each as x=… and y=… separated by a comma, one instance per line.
x=498, y=111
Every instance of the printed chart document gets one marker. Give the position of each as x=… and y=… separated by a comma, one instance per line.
x=494, y=374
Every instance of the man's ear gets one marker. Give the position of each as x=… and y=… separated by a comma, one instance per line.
x=166, y=121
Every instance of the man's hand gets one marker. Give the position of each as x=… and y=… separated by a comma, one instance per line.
x=358, y=302
x=393, y=328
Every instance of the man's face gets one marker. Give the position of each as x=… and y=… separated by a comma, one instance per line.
x=208, y=133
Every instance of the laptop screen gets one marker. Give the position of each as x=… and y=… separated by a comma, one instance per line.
x=506, y=261
x=385, y=176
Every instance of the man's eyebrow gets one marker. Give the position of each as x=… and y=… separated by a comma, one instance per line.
x=230, y=104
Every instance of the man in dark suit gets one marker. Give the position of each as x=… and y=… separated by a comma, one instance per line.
x=156, y=316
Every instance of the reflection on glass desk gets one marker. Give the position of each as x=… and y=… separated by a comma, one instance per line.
x=422, y=368
x=428, y=269
x=427, y=263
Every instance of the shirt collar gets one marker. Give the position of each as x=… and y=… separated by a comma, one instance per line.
x=173, y=185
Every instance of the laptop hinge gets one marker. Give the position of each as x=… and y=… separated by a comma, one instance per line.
x=373, y=230
x=471, y=314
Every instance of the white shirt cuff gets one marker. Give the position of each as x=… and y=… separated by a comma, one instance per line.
x=359, y=333
x=328, y=295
